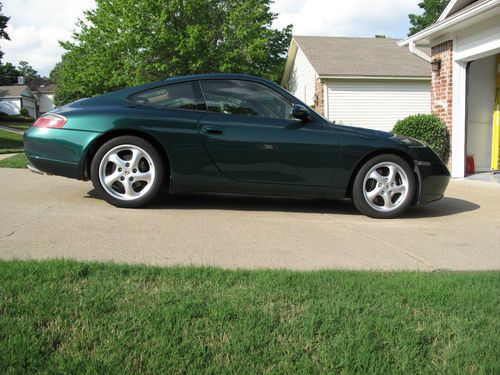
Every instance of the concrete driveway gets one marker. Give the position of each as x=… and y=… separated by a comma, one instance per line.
x=52, y=217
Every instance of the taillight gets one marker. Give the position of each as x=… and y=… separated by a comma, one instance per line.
x=50, y=121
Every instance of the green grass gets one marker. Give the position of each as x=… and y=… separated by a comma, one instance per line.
x=19, y=125
x=10, y=142
x=69, y=317
x=16, y=161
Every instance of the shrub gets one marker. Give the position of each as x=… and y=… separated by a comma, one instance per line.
x=426, y=128
x=24, y=112
x=16, y=118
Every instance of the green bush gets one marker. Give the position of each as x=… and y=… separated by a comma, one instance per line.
x=426, y=128
x=16, y=118
x=24, y=112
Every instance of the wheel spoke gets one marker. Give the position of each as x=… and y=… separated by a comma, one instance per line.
x=376, y=176
x=136, y=157
x=387, y=201
x=399, y=189
x=115, y=159
x=392, y=173
x=146, y=176
x=374, y=193
x=112, y=178
x=129, y=190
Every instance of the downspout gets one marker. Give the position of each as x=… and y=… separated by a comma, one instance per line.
x=413, y=49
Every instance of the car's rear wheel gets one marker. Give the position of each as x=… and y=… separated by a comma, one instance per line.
x=127, y=172
x=384, y=187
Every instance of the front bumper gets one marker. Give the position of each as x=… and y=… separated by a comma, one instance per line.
x=432, y=174
x=433, y=180
x=57, y=151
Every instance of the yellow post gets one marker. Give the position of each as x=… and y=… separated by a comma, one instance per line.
x=495, y=141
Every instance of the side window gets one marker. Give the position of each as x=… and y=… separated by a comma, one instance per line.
x=237, y=97
x=176, y=96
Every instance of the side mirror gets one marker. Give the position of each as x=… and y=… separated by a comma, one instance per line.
x=300, y=112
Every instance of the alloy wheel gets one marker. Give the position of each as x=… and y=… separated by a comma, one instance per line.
x=127, y=172
x=385, y=186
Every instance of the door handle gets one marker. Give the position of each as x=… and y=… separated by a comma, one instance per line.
x=213, y=131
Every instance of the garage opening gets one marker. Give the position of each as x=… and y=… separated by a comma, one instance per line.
x=480, y=143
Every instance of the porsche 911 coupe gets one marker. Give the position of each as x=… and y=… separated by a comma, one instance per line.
x=229, y=133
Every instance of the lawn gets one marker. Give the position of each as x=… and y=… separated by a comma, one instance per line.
x=69, y=317
x=16, y=161
x=16, y=125
x=10, y=142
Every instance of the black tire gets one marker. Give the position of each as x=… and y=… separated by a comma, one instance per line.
x=380, y=207
x=150, y=162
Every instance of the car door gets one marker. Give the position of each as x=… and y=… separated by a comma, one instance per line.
x=250, y=136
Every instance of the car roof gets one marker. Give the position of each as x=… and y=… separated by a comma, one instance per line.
x=120, y=96
x=195, y=77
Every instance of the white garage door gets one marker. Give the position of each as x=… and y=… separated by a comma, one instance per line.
x=376, y=104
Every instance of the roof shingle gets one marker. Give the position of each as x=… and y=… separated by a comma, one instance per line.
x=14, y=91
x=364, y=57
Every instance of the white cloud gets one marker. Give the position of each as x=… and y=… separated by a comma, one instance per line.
x=346, y=18
x=36, y=26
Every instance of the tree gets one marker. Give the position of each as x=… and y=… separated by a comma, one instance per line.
x=8, y=74
x=54, y=73
x=432, y=10
x=3, y=26
x=129, y=42
x=27, y=71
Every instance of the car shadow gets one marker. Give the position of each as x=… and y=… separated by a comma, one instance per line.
x=232, y=202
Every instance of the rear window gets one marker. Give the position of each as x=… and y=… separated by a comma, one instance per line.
x=176, y=96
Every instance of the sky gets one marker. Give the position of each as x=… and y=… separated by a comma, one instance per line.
x=36, y=26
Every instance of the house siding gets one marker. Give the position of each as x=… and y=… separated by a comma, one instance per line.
x=30, y=105
x=302, y=80
x=46, y=102
x=376, y=104
x=10, y=106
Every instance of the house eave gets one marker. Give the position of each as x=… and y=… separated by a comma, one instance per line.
x=423, y=37
x=394, y=78
x=290, y=58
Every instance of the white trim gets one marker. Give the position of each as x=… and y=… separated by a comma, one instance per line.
x=292, y=50
x=413, y=49
x=326, y=109
x=447, y=10
x=452, y=21
x=400, y=78
x=458, y=118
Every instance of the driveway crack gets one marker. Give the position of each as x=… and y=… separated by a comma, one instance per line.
x=38, y=217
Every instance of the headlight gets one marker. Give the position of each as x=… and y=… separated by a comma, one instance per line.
x=409, y=141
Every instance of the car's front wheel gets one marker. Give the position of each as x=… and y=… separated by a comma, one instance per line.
x=127, y=172
x=384, y=187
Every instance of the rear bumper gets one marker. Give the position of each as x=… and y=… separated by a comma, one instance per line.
x=433, y=180
x=57, y=151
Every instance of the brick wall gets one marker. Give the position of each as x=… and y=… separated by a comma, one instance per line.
x=319, y=100
x=442, y=83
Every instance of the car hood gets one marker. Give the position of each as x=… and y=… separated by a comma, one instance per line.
x=364, y=132
x=373, y=134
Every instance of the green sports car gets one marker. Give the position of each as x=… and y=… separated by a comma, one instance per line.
x=229, y=133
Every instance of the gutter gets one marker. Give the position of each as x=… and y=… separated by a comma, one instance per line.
x=354, y=77
x=413, y=49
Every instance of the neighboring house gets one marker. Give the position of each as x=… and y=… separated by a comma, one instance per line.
x=44, y=92
x=13, y=98
x=465, y=60
x=367, y=82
